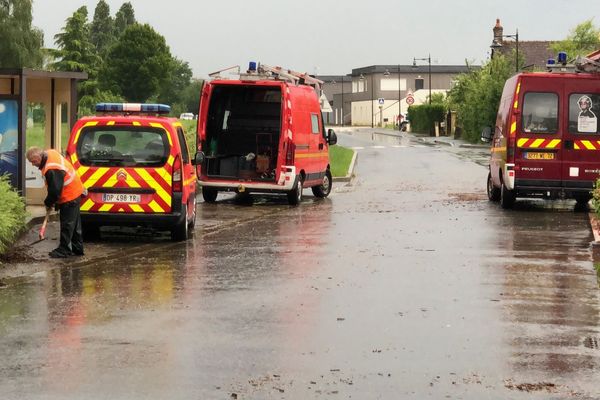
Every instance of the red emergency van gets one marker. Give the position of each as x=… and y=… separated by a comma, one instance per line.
x=263, y=133
x=546, y=141
x=136, y=167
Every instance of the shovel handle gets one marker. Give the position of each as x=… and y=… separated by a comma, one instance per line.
x=43, y=228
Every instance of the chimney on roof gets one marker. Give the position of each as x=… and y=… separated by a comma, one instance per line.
x=498, y=31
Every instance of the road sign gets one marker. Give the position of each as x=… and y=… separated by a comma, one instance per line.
x=410, y=100
x=381, y=100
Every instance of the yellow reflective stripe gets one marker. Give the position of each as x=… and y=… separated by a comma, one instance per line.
x=189, y=180
x=82, y=170
x=170, y=160
x=89, y=123
x=536, y=143
x=588, y=145
x=106, y=207
x=87, y=205
x=516, y=105
x=112, y=181
x=155, y=207
x=521, y=142
x=136, y=123
x=110, y=123
x=310, y=155
x=155, y=185
x=553, y=143
x=576, y=146
x=513, y=127
x=178, y=124
x=98, y=174
x=136, y=208
x=73, y=158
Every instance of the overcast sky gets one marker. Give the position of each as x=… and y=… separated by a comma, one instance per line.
x=333, y=37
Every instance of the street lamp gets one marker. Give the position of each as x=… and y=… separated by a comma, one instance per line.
x=428, y=59
x=342, y=100
x=497, y=45
x=399, y=102
x=362, y=78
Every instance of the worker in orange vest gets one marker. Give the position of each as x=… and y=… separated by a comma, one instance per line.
x=64, y=193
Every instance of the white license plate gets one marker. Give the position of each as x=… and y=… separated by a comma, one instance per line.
x=121, y=198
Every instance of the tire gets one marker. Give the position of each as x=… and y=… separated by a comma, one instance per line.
x=493, y=192
x=507, y=197
x=90, y=232
x=181, y=232
x=323, y=189
x=192, y=222
x=295, y=195
x=209, y=195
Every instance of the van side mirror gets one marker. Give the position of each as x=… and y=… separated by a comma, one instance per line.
x=486, y=134
x=331, y=137
x=199, y=158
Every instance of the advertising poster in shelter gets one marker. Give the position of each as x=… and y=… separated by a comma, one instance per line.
x=9, y=117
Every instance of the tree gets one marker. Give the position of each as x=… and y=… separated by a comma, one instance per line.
x=140, y=64
x=583, y=39
x=76, y=52
x=20, y=43
x=475, y=96
x=179, y=78
x=124, y=18
x=102, y=28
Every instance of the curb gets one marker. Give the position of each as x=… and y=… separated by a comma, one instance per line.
x=444, y=143
x=595, y=226
x=474, y=146
x=350, y=174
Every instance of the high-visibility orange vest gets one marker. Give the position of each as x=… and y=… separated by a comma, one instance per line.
x=72, y=186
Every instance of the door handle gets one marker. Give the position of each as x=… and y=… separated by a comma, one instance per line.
x=320, y=146
x=569, y=145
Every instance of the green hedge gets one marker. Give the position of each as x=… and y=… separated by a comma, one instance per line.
x=423, y=117
x=12, y=214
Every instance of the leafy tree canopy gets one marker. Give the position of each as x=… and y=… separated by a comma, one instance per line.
x=20, y=43
x=140, y=63
x=582, y=40
x=102, y=27
x=124, y=18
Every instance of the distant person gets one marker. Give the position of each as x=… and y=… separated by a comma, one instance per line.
x=64, y=192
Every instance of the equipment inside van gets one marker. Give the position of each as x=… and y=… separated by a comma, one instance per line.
x=546, y=142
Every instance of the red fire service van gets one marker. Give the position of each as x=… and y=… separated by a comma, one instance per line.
x=263, y=133
x=546, y=141
x=134, y=163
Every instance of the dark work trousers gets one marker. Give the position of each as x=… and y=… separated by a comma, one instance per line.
x=71, y=239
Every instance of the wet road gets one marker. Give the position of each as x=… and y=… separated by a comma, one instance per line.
x=406, y=283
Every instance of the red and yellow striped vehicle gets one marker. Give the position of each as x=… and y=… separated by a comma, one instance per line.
x=546, y=141
x=136, y=167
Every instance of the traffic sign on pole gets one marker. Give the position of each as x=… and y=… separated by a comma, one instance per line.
x=381, y=100
x=410, y=100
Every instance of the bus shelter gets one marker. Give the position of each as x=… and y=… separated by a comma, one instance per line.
x=37, y=108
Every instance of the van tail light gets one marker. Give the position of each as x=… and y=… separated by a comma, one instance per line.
x=510, y=151
x=177, y=175
x=290, y=153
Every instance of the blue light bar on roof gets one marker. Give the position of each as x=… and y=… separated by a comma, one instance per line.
x=131, y=108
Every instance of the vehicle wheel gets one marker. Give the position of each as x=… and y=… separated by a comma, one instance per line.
x=209, y=195
x=323, y=189
x=181, y=232
x=492, y=191
x=507, y=197
x=295, y=195
x=192, y=222
x=90, y=232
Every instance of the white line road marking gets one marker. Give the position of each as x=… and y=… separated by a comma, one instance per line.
x=357, y=148
x=378, y=147
x=399, y=146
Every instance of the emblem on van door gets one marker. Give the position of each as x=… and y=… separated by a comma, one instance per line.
x=121, y=175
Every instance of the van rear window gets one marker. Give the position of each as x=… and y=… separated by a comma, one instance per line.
x=120, y=146
x=584, y=110
x=540, y=112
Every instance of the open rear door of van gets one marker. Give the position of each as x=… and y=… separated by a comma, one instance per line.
x=581, y=157
x=538, y=146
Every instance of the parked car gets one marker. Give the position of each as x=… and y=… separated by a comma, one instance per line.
x=136, y=167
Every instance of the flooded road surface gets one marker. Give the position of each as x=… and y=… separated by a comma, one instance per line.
x=406, y=283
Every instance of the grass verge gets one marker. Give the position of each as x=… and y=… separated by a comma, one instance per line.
x=340, y=158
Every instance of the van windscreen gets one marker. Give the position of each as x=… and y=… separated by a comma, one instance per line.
x=540, y=112
x=584, y=110
x=123, y=146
